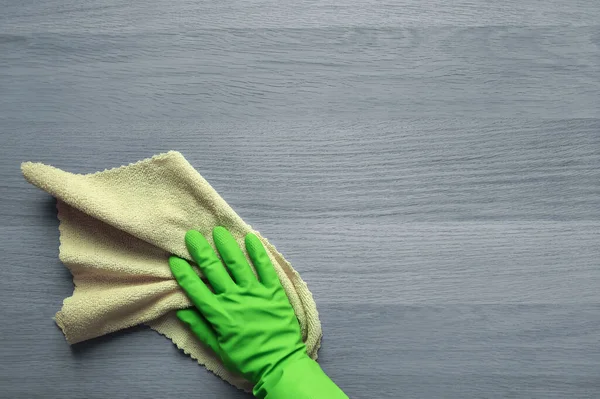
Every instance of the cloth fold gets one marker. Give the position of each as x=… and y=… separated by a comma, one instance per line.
x=117, y=230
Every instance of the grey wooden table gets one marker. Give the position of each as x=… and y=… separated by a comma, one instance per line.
x=432, y=170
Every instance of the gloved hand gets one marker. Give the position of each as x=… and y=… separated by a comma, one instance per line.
x=250, y=324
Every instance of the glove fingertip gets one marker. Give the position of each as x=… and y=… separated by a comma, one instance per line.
x=220, y=230
x=184, y=315
x=192, y=236
x=253, y=243
x=250, y=237
x=177, y=264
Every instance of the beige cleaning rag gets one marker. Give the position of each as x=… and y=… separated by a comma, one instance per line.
x=117, y=230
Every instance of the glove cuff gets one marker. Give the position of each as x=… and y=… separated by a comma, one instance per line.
x=300, y=379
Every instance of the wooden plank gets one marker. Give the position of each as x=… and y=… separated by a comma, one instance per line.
x=432, y=170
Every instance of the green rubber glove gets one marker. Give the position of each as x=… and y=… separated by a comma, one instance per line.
x=250, y=324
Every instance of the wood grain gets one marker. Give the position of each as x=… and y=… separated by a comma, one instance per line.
x=432, y=170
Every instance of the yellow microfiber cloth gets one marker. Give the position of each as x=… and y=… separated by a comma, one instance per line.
x=117, y=230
